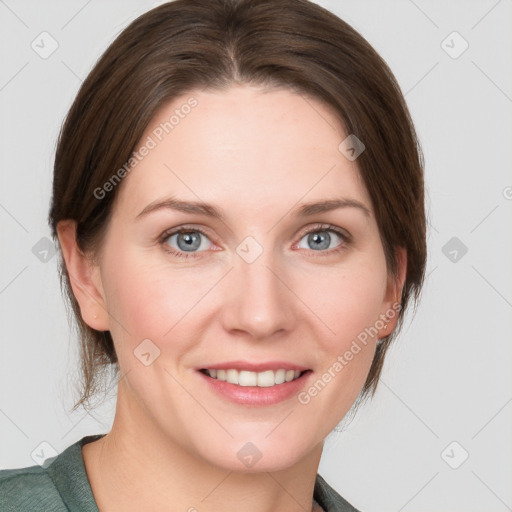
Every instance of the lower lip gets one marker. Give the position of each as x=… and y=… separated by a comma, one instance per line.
x=254, y=395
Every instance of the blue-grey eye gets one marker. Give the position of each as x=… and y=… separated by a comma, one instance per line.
x=319, y=240
x=188, y=241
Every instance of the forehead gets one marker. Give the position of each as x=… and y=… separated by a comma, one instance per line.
x=248, y=145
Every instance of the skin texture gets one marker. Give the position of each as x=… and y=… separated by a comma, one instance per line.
x=256, y=154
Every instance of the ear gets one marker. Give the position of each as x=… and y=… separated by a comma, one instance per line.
x=85, y=278
x=392, y=300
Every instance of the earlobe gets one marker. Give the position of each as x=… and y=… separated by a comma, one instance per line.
x=84, y=277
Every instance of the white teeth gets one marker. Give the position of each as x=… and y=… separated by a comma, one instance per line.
x=232, y=376
x=264, y=379
x=280, y=376
x=247, y=378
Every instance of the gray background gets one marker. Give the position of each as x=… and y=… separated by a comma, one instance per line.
x=448, y=377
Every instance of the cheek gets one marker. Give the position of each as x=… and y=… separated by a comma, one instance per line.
x=148, y=300
x=346, y=302
x=347, y=308
x=346, y=350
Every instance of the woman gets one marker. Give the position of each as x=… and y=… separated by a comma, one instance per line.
x=238, y=201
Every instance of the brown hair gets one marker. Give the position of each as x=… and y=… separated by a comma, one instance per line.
x=187, y=44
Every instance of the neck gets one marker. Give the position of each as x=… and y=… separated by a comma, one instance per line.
x=137, y=464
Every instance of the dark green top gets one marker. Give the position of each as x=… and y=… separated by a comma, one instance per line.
x=61, y=485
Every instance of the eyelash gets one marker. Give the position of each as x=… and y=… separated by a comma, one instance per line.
x=346, y=239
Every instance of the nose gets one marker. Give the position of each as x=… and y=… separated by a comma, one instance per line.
x=258, y=299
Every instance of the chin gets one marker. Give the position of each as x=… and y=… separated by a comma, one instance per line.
x=260, y=455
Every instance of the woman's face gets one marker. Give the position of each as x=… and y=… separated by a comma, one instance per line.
x=261, y=286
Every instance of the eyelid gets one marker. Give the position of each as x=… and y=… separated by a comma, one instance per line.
x=322, y=226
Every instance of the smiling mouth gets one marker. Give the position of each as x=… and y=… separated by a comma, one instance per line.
x=244, y=378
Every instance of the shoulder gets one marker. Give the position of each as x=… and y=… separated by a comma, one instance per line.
x=60, y=484
x=28, y=489
x=329, y=499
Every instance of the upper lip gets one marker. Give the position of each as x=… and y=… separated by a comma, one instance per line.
x=254, y=367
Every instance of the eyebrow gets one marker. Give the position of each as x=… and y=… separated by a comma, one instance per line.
x=208, y=210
